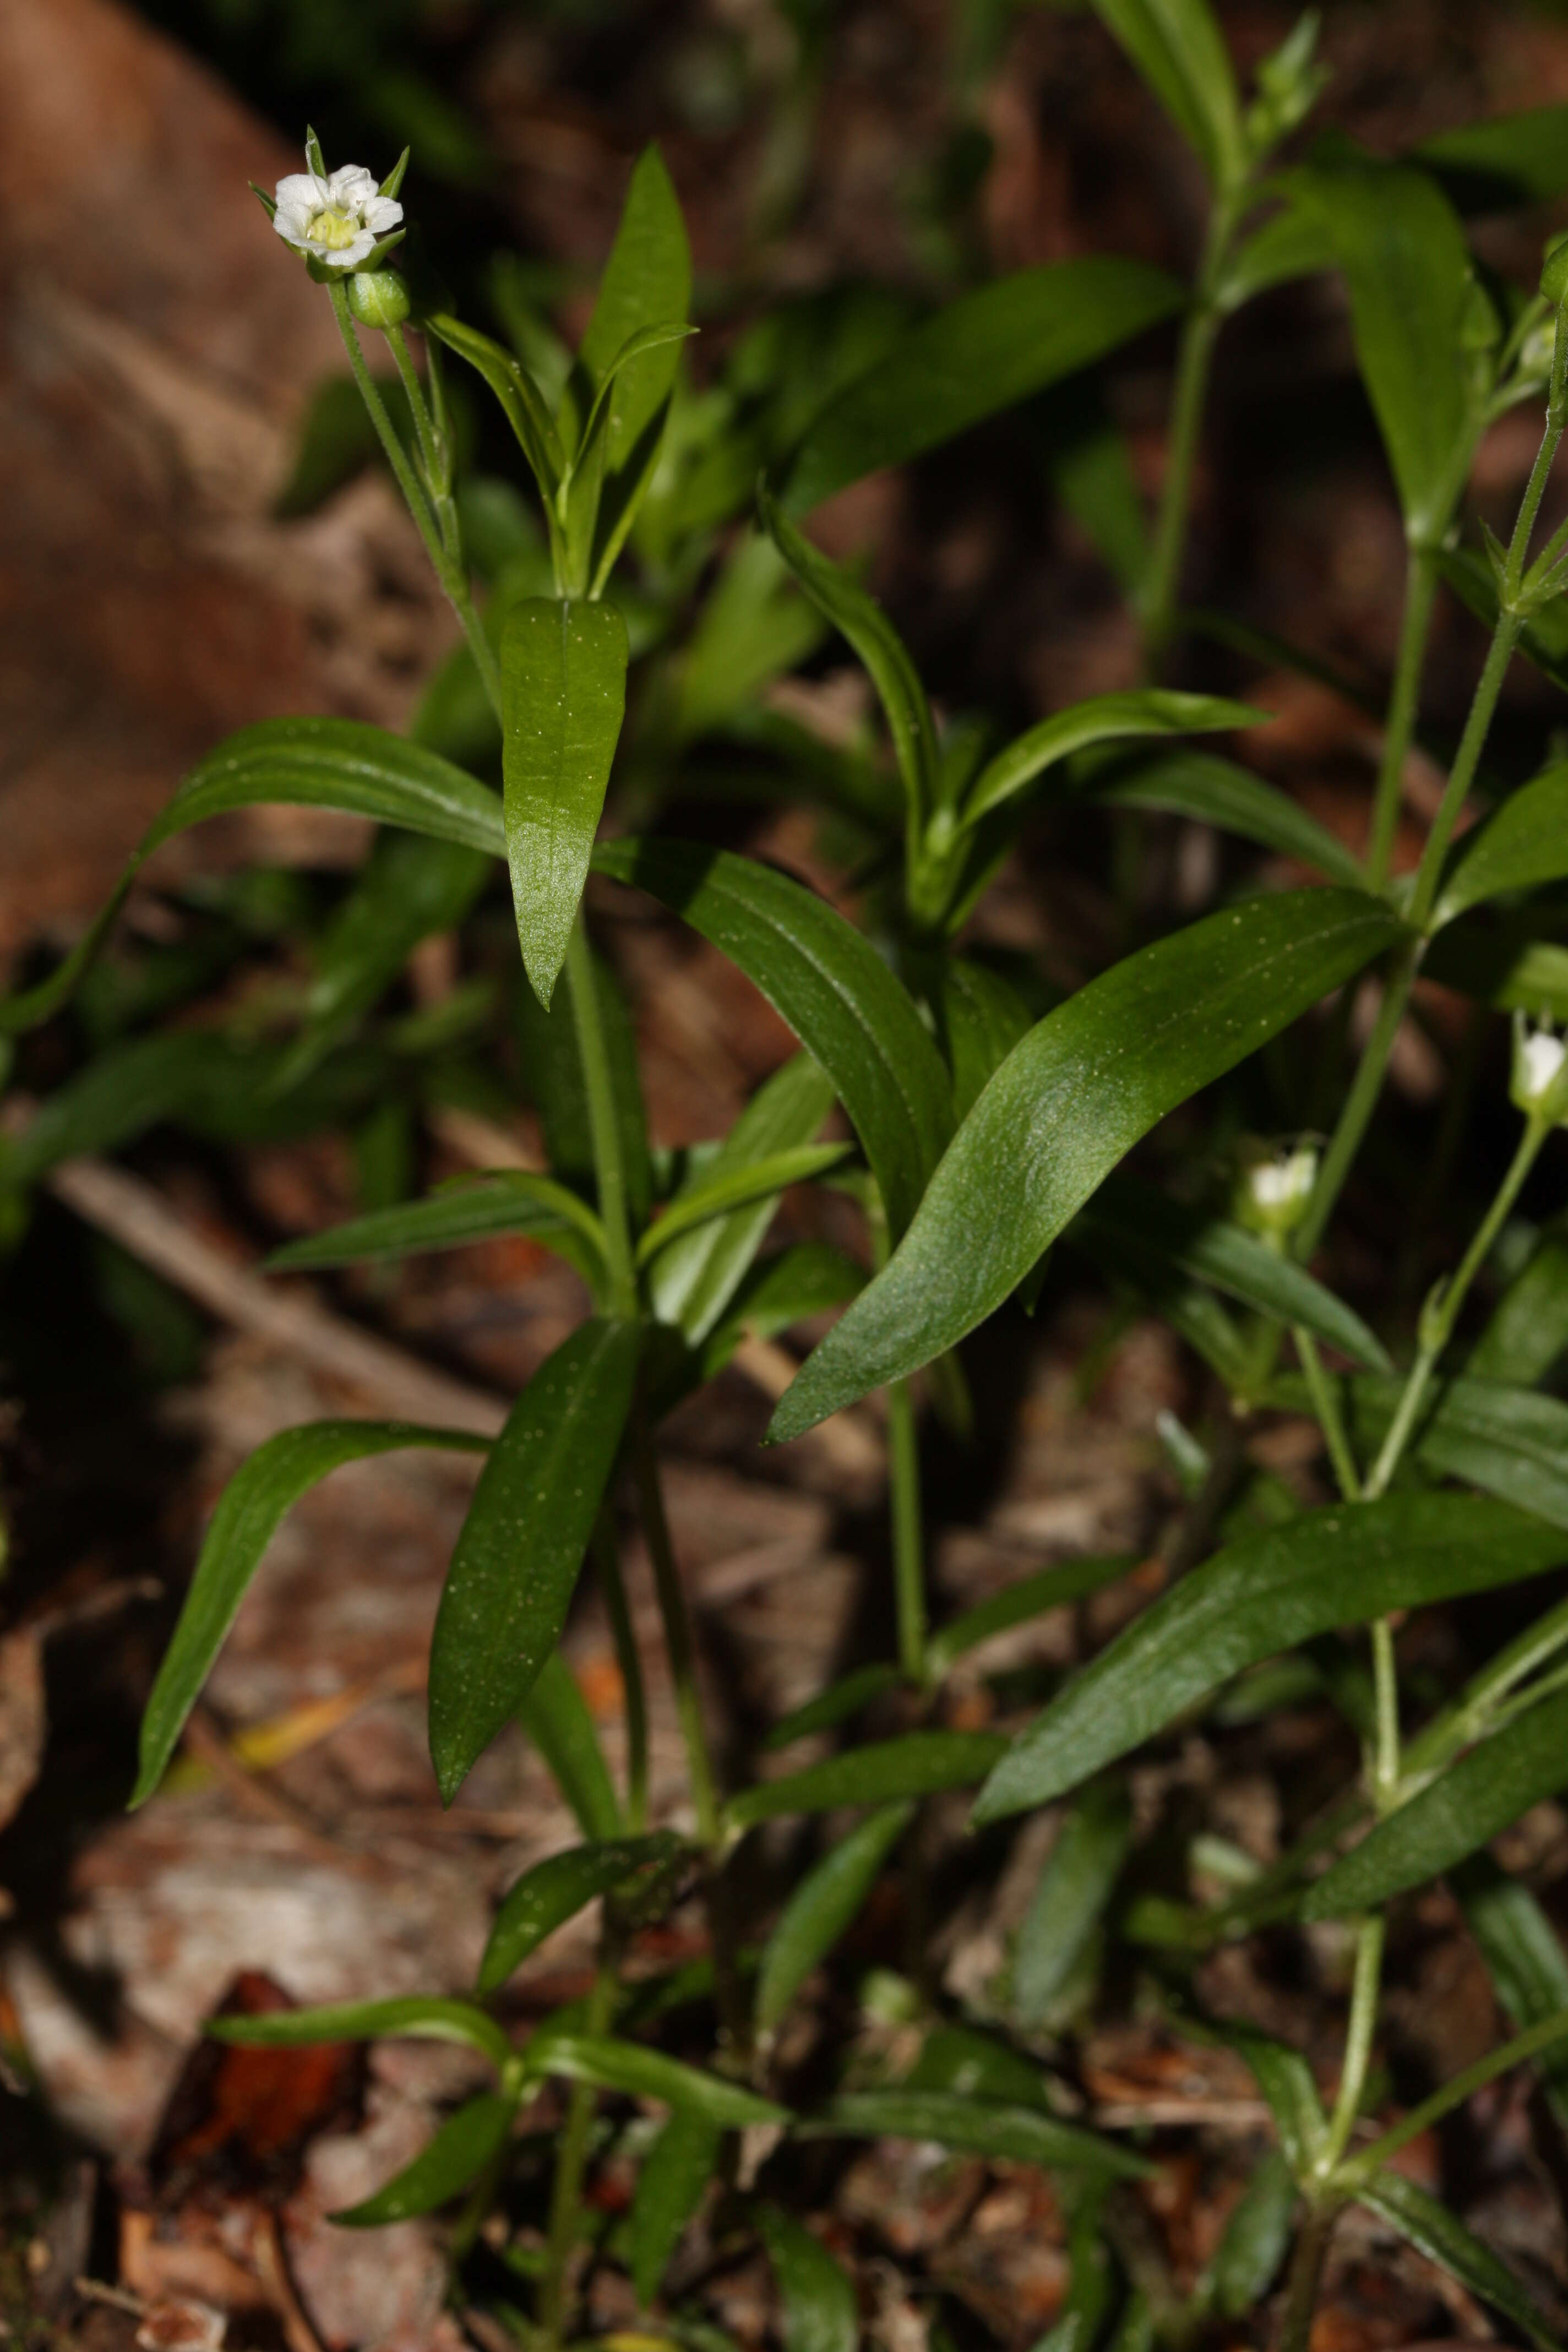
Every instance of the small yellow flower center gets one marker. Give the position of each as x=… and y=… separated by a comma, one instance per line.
x=333, y=229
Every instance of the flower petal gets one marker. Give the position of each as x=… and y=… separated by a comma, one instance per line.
x=299, y=188
x=380, y=214
x=351, y=187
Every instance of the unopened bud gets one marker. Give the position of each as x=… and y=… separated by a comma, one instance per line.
x=1273, y=1187
x=1554, y=273
x=1538, y=1082
x=378, y=298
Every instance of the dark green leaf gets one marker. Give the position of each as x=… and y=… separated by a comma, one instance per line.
x=1512, y=1443
x=457, y=2156
x=556, y=1719
x=848, y=1696
x=1015, y=2135
x=979, y=1017
x=695, y=1279
x=1463, y=1809
x=1331, y=1568
x=828, y=983
x=1107, y=718
x=1180, y=51
x=1075, y=1886
x=676, y=2170
x=1217, y=792
x=1257, y=2238
x=984, y=353
x=1515, y=158
x=1286, y=2081
x=555, y=1890
x=418, y=2017
x=1132, y=1227
x=1443, y=2237
x=919, y=1764
x=564, y=688
x=641, y=2073
x=719, y=1190
x=820, y=2310
x=511, y=1201
x=1525, y=1958
x=1031, y=1596
x=1521, y=844
x=1408, y=273
x=823, y=1908
x=881, y=649
x=1529, y=1327
x=244, y=1523
x=1067, y=1103
x=314, y=763
x=522, y=1544
x=806, y=1280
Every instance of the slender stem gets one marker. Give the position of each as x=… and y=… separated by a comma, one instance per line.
x=1357, y=2044
x=431, y=456
x=909, y=1540
x=613, y=1589
x=1462, y=774
x=1456, y=2091
x=571, y=2163
x=1306, y=2276
x=677, y=1636
x=1331, y=1420
x=1420, y=595
x=1535, y=489
x=1386, y=1683
x=1359, y=1104
x=448, y=569
x=604, y=1124
x=1163, y=582
x=1481, y=1704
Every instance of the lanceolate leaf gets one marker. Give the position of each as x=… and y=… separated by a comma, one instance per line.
x=919, y=1764
x=419, y=2017
x=338, y=764
x=556, y=1719
x=1031, y=1596
x=613, y=2065
x=982, y=354
x=820, y=2310
x=982, y=2127
x=1107, y=718
x=457, y=2156
x=1067, y=1103
x=1443, y=2237
x=1271, y=1592
x=1522, y=845
x=719, y=1190
x=563, y=689
x=1217, y=792
x=1180, y=51
x=247, y=1517
x=555, y=1890
x=1075, y=1886
x=522, y=402
x=511, y=1201
x=828, y=983
x=823, y=1907
x=1511, y=1441
x=1455, y=1815
x=516, y=1558
x=675, y=2172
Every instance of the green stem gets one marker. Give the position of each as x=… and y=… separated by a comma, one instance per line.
x=1385, y=1682
x=1462, y=774
x=909, y=1542
x=1306, y=2276
x=1455, y=2092
x=1331, y=1420
x=677, y=1637
x=1163, y=582
x=1485, y=1700
x=603, y=1123
x=613, y=1589
x=571, y=2163
x=1358, y=2045
x=1359, y=1104
x=447, y=568
x=431, y=456
x=1420, y=595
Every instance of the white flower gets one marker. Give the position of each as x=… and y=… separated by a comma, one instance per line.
x=1538, y=1058
x=1275, y=1186
x=1282, y=1183
x=337, y=220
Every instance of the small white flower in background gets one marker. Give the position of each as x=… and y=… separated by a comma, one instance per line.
x=1538, y=1054
x=1275, y=1186
x=337, y=220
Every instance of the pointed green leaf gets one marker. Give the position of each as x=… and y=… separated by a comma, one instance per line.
x=1514, y=159
x=1329, y=1568
x=1067, y=1103
x=1443, y=2237
x=1455, y=1815
x=1256, y=2240
x=1107, y=718
x=482, y=1208
x=919, y=1764
x=643, y=2073
x=1075, y=1884
x=418, y=2017
x=979, y=2127
x=1031, y=1596
x=247, y=1517
x=720, y=1191
x=881, y=649
x=564, y=690
x=522, y=1544
x=1180, y=51
x=821, y=2312
x=979, y=1017
x=555, y=1890
x=823, y=1908
x=1512, y=1443
x=676, y=2170
x=454, y=2160
x=1217, y=792
x=982, y=354
x=808, y=1279
x=523, y=404
x=850, y=1695
x=1290, y=2090
x=1529, y=1327
x=1522, y=844
x=556, y=1719
x=828, y=983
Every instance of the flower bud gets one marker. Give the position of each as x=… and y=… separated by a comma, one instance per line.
x=1273, y=1187
x=378, y=298
x=1554, y=273
x=1538, y=1082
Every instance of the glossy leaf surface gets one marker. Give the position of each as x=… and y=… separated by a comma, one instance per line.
x=1107, y=718
x=516, y=1558
x=1326, y=1569
x=1067, y=1103
x=823, y=1908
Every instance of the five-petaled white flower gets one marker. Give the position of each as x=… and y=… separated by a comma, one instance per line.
x=337, y=220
